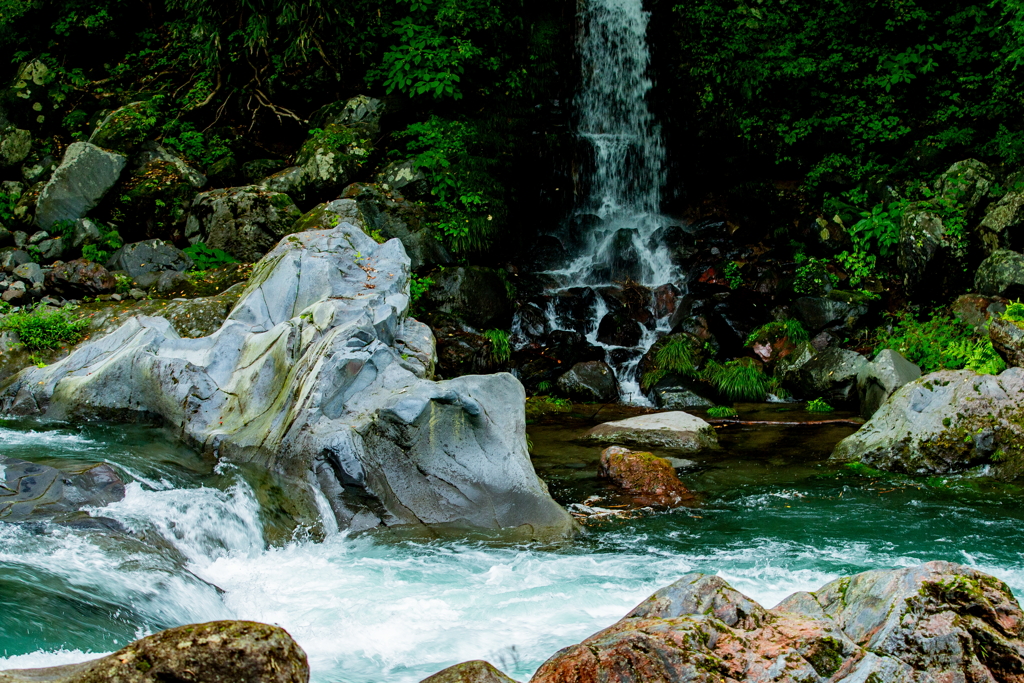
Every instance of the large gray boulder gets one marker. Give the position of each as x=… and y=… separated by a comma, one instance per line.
x=150, y=256
x=821, y=313
x=215, y=652
x=879, y=379
x=1001, y=274
x=83, y=178
x=1000, y=227
x=590, y=382
x=319, y=376
x=934, y=622
x=246, y=222
x=943, y=423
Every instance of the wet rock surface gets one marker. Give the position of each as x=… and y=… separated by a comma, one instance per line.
x=215, y=652
x=590, y=382
x=934, y=622
x=477, y=671
x=31, y=492
x=650, y=480
x=879, y=379
x=675, y=429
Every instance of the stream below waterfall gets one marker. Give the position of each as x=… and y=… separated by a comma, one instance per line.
x=774, y=518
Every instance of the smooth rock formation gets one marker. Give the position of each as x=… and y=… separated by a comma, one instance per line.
x=590, y=382
x=936, y=622
x=879, y=379
x=319, y=376
x=215, y=652
x=477, y=671
x=246, y=222
x=650, y=480
x=79, y=183
x=943, y=423
x=674, y=429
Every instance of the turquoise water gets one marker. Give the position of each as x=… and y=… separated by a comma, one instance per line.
x=774, y=518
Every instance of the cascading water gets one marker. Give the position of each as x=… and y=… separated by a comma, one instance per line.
x=611, y=239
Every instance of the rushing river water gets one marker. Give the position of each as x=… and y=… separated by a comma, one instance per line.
x=774, y=519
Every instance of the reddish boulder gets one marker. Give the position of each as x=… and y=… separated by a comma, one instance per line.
x=80, y=278
x=650, y=479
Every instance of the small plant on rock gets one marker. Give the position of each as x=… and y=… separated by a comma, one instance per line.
x=791, y=329
x=738, y=380
x=206, y=258
x=1014, y=313
x=678, y=355
x=722, y=412
x=42, y=327
x=819, y=405
x=501, y=348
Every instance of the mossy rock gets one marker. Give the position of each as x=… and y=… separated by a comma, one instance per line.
x=125, y=129
x=155, y=201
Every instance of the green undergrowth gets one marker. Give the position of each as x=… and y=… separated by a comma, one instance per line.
x=939, y=342
x=42, y=327
x=208, y=258
x=501, y=348
x=720, y=412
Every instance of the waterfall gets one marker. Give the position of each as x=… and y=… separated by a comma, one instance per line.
x=612, y=238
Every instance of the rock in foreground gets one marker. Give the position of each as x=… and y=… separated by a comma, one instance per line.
x=648, y=478
x=935, y=622
x=319, y=376
x=944, y=423
x=216, y=652
x=674, y=429
x=477, y=671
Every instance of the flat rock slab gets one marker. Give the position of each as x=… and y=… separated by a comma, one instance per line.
x=674, y=429
x=215, y=652
x=936, y=622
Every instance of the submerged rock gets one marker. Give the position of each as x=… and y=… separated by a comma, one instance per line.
x=944, y=423
x=477, y=671
x=650, y=479
x=32, y=492
x=934, y=622
x=215, y=652
x=659, y=430
x=319, y=376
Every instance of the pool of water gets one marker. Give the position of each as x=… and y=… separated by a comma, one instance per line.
x=773, y=517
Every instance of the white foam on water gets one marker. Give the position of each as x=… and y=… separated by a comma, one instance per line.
x=41, y=659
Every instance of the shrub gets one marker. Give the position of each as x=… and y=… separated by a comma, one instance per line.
x=109, y=242
x=677, y=355
x=792, y=329
x=418, y=286
x=42, y=327
x=206, y=258
x=738, y=380
x=940, y=343
x=819, y=405
x=722, y=412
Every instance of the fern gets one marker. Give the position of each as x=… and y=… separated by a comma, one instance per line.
x=977, y=355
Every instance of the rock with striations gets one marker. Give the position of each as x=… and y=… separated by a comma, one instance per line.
x=477, y=671
x=320, y=377
x=879, y=379
x=933, y=622
x=943, y=423
x=590, y=382
x=650, y=480
x=83, y=178
x=675, y=429
x=215, y=652
x=246, y=222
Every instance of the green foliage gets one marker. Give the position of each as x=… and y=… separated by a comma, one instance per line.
x=677, y=355
x=940, y=342
x=203, y=149
x=722, y=412
x=418, y=286
x=208, y=258
x=124, y=283
x=789, y=328
x=819, y=405
x=7, y=204
x=65, y=229
x=109, y=242
x=813, y=277
x=501, y=348
x=42, y=327
x=1014, y=312
x=468, y=198
x=738, y=380
x=543, y=387
x=731, y=273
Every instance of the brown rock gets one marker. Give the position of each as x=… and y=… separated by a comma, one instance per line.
x=1008, y=340
x=80, y=278
x=652, y=480
x=215, y=652
x=477, y=671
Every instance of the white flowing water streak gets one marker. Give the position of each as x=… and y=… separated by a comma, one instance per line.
x=621, y=207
